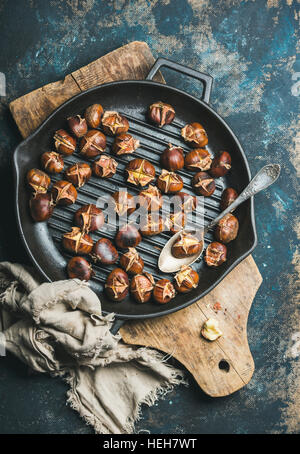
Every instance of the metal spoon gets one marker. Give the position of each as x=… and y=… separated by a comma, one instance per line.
x=167, y=263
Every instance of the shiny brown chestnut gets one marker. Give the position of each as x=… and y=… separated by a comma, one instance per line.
x=186, y=245
x=228, y=197
x=172, y=158
x=227, y=229
x=89, y=218
x=113, y=123
x=92, y=144
x=169, y=182
x=221, y=164
x=124, y=203
x=152, y=224
x=117, y=285
x=78, y=126
x=203, y=184
x=215, y=254
x=141, y=287
x=104, y=167
x=64, y=193
x=128, y=236
x=78, y=174
x=140, y=172
x=132, y=262
x=176, y=221
x=41, y=207
x=164, y=291
x=38, y=181
x=77, y=242
x=79, y=268
x=195, y=135
x=186, y=279
x=93, y=115
x=161, y=113
x=104, y=252
x=198, y=159
x=150, y=199
x=184, y=202
x=125, y=144
x=64, y=143
x=52, y=162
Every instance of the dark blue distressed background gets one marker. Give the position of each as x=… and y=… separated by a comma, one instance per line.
x=250, y=48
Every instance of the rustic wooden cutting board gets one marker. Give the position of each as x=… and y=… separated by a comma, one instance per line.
x=219, y=367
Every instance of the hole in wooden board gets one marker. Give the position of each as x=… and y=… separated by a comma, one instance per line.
x=224, y=365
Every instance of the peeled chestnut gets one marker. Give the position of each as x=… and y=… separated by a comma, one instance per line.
x=64, y=143
x=38, y=180
x=150, y=199
x=203, y=184
x=164, y=291
x=128, y=236
x=152, y=224
x=197, y=159
x=184, y=202
x=176, y=221
x=186, y=245
x=141, y=287
x=78, y=125
x=78, y=174
x=161, y=113
x=228, y=196
x=52, y=162
x=104, y=167
x=172, y=158
x=227, y=229
x=220, y=164
x=77, y=242
x=79, y=268
x=117, y=285
x=186, y=279
x=92, y=144
x=125, y=144
x=195, y=135
x=41, y=207
x=104, y=252
x=131, y=262
x=215, y=254
x=89, y=218
x=64, y=193
x=93, y=115
x=140, y=172
x=113, y=123
x=169, y=182
x=124, y=203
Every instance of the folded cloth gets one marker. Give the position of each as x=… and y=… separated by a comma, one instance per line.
x=59, y=328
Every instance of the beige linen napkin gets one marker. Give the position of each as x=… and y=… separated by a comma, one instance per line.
x=59, y=328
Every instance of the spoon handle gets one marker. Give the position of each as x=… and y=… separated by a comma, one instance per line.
x=264, y=178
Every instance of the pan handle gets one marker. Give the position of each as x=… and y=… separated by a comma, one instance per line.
x=116, y=325
x=206, y=79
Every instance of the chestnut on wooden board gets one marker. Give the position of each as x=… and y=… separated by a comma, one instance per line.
x=172, y=158
x=77, y=242
x=195, y=135
x=104, y=252
x=203, y=184
x=164, y=291
x=215, y=254
x=131, y=262
x=227, y=229
x=64, y=143
x=161, y=113
x=141, y=287
x=41, y=207
x=52, y=162
x=89, y=218
x=79, y=268
x=128, y=236
x=64, y=193
x=117, y=285
x=104, y=166
x=186, y=279
x=78, y=174
x=114, y=123
x=93, y=115
x=38, y=180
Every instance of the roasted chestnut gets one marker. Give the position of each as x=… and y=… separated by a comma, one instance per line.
x=128, y=236
x=203, y=184
x=185, y=202
x=78, y=125
x=38, y=181
x=169, y=182
x=52, y=162
x=113, y=123
x=78, y=174
x=176, y=221
x=172, y=158
x=186, y=245
x=161, y=113
x=92, y=144
x=186, y=279
x=41, y=207
x=195, y=135
x=198, y=159
x=77, y=242
x=228, y=196
x=79, y=268
x=164, y=291
x=64, y=193
x=104, y=167
x=124, y=203
x=131, y=262
x=220, y=164
x=104, y=252
x=140, y=172
x=93, y=115
x=215, y=254
x=150, y=199
x=141, y=287
x=125, y=144
x=117, y=285
x=152, y=224
x=227, y=229
x=64, y=143
x=89, y=218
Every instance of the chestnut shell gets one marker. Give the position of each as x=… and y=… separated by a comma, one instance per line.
x=79, y=268
x=172, y=158
x=227, y=229
x=203, y=184
x=105, y=252
x=215, y=254
x=117, y=285
x=41, y=207
x=89, y=218
x=128, y=236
